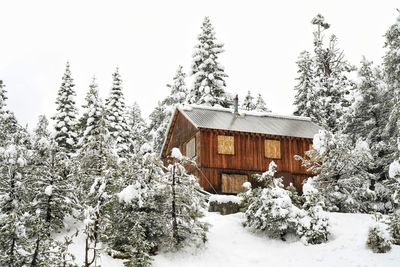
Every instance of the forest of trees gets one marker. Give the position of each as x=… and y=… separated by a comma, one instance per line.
x=100, y=165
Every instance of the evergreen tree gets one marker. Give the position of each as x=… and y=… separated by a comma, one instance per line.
x=365, y=118
x=391, y=63
x=52, y=196
x=261, y=105
x=178, y=91
x=248, y=102
x=140, y=206
x=3, y=99
x=160, y=117
x=93, y=111
x=97, y=164
x=184, y=205
x=209, y=75
x=116, y=116
x=8, y=123
x=14, y=205
x=137, y=128
x=65, y=119
x=330, y=79
x=306, y=100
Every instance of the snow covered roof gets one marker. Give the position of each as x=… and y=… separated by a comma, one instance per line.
x=249, y=121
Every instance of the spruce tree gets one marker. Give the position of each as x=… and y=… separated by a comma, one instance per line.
x=65, y=119
x=391, y=64
x=160, y=117
x=248, y=102
x=137, y=128
x=261, y=105
x=178, y=91
x=331, y=77
x=14, y=204
x=89, y=122
x=97, y=164
x=306, y=100
x=116, y=115
x=140, y=205
x=52, y=196
x=209, y=75
x=8, y=123
x=184, y=205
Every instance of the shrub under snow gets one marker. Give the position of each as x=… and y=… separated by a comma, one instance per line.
x=379, y=239
x=272, y=211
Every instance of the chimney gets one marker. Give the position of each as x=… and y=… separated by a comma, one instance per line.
x=236, y=105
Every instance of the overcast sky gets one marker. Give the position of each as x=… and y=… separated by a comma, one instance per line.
x=149, y=39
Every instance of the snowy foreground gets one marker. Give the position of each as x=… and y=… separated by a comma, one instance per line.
x=231, y=245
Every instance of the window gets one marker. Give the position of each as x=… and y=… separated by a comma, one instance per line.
x=233, y=183
x=191, y=148
x=272, y=149
x=226, y=145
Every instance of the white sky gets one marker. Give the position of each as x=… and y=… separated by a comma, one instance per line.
x=149, y=39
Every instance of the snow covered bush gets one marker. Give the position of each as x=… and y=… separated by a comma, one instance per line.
x=379, y=239
x=343, y=180
x=313, y=228
x=394, y=227
x=272, y=211
x=297, y=200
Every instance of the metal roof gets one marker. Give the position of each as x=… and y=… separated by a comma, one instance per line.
x=250, y=121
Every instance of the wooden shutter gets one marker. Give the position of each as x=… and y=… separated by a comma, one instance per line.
x=272, y=149
x=226, y=145
x=233, y=183
x=191, y=148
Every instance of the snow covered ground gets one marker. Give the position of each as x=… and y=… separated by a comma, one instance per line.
x=232, y=245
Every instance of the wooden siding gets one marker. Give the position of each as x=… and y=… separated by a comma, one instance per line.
x=248, y=158
x=249, y=152
x=180, y=132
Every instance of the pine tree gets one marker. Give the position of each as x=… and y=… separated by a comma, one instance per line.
x=89, y=123
x=14, y=205
x=65, y=119
x=184, y=205
x=178, y=91
x=140, y=203
x=8, y=123
x=248, y=102
x=51, y=193
x=137, y=128
x=160, y=117
x=116, y=115
x=97, y=166
x=3, y=99
x=391, y=99
x=261, y=105
x=209, y=75
x=306, y=100
x=365, y=120
x=330, y=78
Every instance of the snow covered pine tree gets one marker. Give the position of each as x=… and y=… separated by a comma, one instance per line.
x=209, y=75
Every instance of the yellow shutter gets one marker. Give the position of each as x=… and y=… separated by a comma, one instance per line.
x=233, y=183
x=272, y=149
x=226, y=145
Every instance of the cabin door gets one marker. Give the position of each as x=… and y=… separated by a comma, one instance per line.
x=233, y=183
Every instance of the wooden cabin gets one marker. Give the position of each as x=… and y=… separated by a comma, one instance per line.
x=229, y=147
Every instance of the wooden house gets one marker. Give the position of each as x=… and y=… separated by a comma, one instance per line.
x=229, y=147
